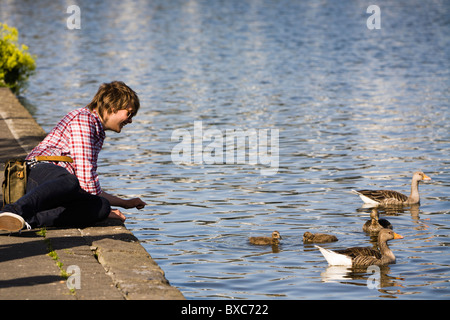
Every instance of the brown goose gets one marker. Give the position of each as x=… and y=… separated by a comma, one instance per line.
x=309, y=237
x=374, y=225
x=274, y=240
x=389, y=197
x=363, y=256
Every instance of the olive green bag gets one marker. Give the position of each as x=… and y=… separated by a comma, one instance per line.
x=16, y=175
x=15, y=182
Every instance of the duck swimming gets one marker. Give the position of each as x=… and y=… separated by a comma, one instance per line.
x=309, y=237
x=363, y=256
x=374, y=225
x=274, y=240
x=390, y=197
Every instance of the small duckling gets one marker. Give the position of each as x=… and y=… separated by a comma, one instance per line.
x=274, y=240
x=374, y=225
x=309, y=237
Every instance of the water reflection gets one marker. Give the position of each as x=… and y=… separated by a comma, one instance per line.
x=373, y=278
x=413, y=210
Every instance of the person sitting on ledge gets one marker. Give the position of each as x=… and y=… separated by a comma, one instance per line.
x=64, y=194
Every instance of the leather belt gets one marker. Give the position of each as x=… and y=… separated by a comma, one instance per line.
x=53, y=158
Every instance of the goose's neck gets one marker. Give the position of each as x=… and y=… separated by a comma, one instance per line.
x=414, y=197
x=386, y=253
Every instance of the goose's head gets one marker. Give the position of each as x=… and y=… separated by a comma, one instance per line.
x=420, y=176
x=388, y=234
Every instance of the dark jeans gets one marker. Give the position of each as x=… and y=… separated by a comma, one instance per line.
x=54, y=198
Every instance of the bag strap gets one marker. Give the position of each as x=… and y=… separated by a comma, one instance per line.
x=54, y=158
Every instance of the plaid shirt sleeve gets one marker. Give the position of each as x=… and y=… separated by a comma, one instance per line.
x=84, y=146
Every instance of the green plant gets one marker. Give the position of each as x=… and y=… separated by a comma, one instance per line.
x=42, y=232
x=16, y=63
x=54, y=255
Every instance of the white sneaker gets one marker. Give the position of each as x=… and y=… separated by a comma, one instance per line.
x=12, y=222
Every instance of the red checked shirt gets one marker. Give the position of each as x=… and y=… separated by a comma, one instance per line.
x=80, y=135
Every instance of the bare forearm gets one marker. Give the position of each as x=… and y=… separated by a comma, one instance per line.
x=113, y=200
x=123, y=203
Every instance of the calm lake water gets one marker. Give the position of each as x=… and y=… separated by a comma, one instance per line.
x=354, y=108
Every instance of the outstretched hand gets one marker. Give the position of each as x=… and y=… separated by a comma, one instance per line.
x=134, y=203
x=124, y=203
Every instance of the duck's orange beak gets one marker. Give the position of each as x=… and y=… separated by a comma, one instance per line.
x=426, y=178
x=397, y=236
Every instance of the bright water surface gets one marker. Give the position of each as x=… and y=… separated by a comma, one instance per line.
x=355, y=108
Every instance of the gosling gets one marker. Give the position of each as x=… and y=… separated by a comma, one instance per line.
x=264, y=241
x=309, y=237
